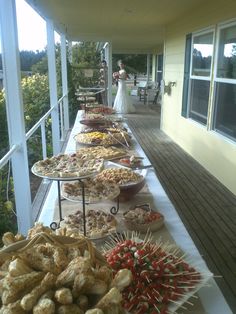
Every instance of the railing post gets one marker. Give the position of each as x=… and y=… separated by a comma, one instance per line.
x=61, y=109
x=109, y=63
x=53, y=87
x=64, y=82
x=15, y=114
x=44, y=141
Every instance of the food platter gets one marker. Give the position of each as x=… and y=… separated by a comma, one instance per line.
x=97, y=138
x=66, y=167
x=99, y=224
x=107, y=153
x=129, y=161
x=94, y=192
x=45, y=264
x=140, y=174
x=205, y=277
x=142, y=218
x=122, y=176
x=100, y=109
x=162, y=280
x=135, y=180
x=69, y=178
x=95, y=122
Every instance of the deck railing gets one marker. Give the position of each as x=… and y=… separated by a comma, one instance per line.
x=39, y=124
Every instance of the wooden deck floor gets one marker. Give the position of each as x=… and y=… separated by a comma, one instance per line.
x=205, y=206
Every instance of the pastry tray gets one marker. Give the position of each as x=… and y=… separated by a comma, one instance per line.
x=63, y=178
x=89, y=201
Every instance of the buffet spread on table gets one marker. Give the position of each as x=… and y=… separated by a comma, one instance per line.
x=108, y=239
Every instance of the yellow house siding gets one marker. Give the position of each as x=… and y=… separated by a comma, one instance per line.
x=215, y=152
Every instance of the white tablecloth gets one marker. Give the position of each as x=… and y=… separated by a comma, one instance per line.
x=211, y=297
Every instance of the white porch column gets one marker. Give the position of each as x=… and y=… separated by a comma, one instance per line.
x=154, y=67
x=109, y=63
x=148, y=68
x=70, y=51
x=15, y=114
x=53, y=86
x=64, y=81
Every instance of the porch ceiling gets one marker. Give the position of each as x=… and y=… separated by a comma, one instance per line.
x=132, y=25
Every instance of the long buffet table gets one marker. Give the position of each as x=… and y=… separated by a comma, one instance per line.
x=211, y=300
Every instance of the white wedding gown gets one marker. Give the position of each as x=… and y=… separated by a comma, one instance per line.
x=122, y=103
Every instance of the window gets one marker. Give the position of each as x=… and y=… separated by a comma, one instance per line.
x=224, y=120
x=200, y=78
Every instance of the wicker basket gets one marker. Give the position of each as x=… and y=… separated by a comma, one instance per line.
x=82, y=244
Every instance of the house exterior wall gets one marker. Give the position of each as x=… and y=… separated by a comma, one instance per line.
x=213, y=151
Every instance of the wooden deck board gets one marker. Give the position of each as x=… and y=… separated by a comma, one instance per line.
x=206, y=207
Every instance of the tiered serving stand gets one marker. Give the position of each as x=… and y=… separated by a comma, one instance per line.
x=86, y=98
x=54, y=225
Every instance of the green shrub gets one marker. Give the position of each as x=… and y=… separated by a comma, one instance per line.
x=35, y=92
x=7, y=205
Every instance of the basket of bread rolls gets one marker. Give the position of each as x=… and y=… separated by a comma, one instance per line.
x=56, y=272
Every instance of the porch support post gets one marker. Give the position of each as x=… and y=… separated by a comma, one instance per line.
x=15, y=114
x=148, y=68
x=154, y=67
x=109, y=74
x=53, y=86
x=64, y=81
x=70, y=51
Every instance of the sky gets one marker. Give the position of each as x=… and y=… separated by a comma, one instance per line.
x=31, y=28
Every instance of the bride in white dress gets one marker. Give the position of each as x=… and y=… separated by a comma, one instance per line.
x=122, y=103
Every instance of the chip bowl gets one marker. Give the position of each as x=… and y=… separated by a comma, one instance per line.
x=129, y=190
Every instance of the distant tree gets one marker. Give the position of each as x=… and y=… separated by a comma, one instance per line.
x=41, y=66
x=29, y=58
x=85, y=56
x=134, y=63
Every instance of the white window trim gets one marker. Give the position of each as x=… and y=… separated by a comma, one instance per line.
x=209, y=78
x=212, y=78
x=212, y=105
x=203, y=32
x=219, y=28
x=200, y=78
